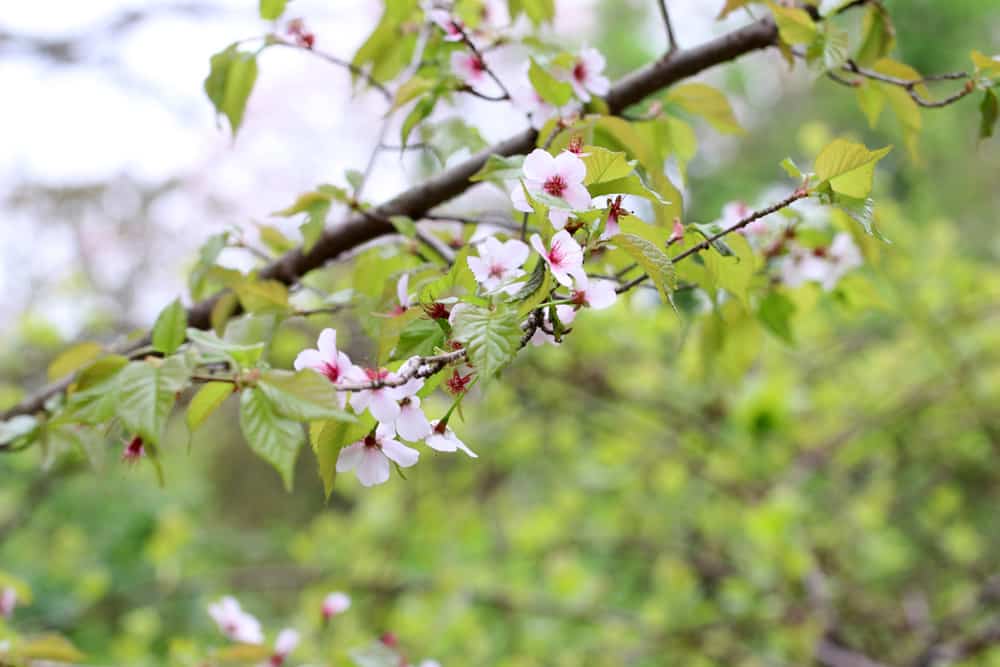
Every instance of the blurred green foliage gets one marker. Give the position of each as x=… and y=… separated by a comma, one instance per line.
x=659, y=490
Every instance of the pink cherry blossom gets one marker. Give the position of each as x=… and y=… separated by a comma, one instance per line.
x=560, y=177
x=587, y=75
x=411, y=424
x=469, y=67
x=369, y=458
x=677, y=233
x=286, y=642
x=844, y=256
x=527, y=100
x=499, y=264
x=564, y=257
x=335, y=603
x=383, y=402
x=802, y=265
x=234, y=622
x=452, y=27
x=566, y=315
x=443, y=439
x=8, y=600
x=329, y=362
x=595, y=293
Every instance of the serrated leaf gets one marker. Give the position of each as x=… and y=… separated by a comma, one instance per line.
x=262, y=296
x=230, y=82
x=304, y=395
x=556, y=92
x=492, y=337
x=244, y=355
x=500, y=168
x=206, y=401
x=329, y=437
x=146, y=395
x=73, y=359
x=168, y=332
x=700, y=99
x=849, y=167
x=604, y=165
x=270, y=436
x=271, y=10
x=420, y=337
x=794, y=25
x=653, y=261
x=535, y=290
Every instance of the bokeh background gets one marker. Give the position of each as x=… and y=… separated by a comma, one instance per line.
x=659, y=491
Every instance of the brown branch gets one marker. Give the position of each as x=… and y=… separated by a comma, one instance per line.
x=911, y=85
x=453, y=181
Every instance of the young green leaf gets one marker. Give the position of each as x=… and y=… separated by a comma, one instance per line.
x=274, y=438
x=653, y=261
x=329, y=437
x=304, y=396
x=492, y=337
x=168, y=332
x=73, y=359
x=206, y=401
x=147, y=394
x=848, y=167
x=700, y=99
x=229, y=83
x=262, y=296
x=271, y=10
x=989, y=112
x=794, y=25
x=554, y=91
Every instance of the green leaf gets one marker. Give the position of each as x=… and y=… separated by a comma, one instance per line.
x=879, y=35
x=792, y=169
x=794, y=25
x=262, y=296
x=316, y=205
x=418, y=113
x=653, y=261
x=775, y=312
x=535, y=291
x=633, y=184
x=419, y=337
x=304, y=395
x=391, y=44
x=404, y=225
x=734, y=273
x=274, y=438
x=168, y=332
x=243, y=355
x=499, y=168
x=731, y=6
x=147, y=394
x=229, y=83
x=556, y=92
x=492, y=337
x=703, y=100
x=411, y=90
x=450, y=136
x=206, y=401
x=209, y=252
x=848, y=167
x=989, y=112
x=537, y=11
x=872, y=101
x=329, y=437
x=74, y=358
x=271, y=10
x=604, y=165
x=49, y=648
x=986, y=65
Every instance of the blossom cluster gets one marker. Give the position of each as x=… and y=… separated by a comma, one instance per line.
x=393, y=403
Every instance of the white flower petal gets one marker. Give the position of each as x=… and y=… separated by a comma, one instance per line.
x=373, y=468
x=350, y=456
x=383, y=405
x=571, y=168
x=309, y=359
x=539, y=165
x=328, y=344
x=400, y=453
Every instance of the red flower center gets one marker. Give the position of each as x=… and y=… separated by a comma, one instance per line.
x=496, y=271
x=556, y=255
x=478, y=66
x=376, y=373
x=331, y=372
x=370, y=441
x=555, y=185
x=580, y=71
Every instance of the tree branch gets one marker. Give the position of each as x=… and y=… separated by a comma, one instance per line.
x=453, y=181
x=671, y=39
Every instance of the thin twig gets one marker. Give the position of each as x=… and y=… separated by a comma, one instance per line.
x=911, y=85
x=340, y=62
x=486, y=68
x=671, y=39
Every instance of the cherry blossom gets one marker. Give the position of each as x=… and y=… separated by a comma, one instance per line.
x=133, y=451
x=8, y=600
x=383, y=402
x=560, y=177
x=411, y=424
x=443, y=439
x=329, y=362
x=369, y=458
x=595, y=293
x=527, y=100
x=286, y=642
x=564, y=257
x=823, y=265
x=499, y=264
x=844, y=256
x=587, y=75
x=452, y=27
x=335, y=603
x=234, y=622
x=403, y=294
x=615, y=214
x=677, y=233
x=566, y=315
x=469, y=67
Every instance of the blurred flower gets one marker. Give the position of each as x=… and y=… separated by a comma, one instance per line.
x=234, y=622
x=844, y=256
x=328, y=361
x=677, y=233
x=468, y=67
x=587, y=75
x=369, y=458
x=286, y=642
x=335, y=603
x=498, y=264
x=403, y=294
x=452, y=27
x=133, y=451
x=823, y=265
x=443, y=439
x=8, y=600
x=296, y=29
x=564, y=257
x=595, y=293
x=560, y=176
x=383, y=401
